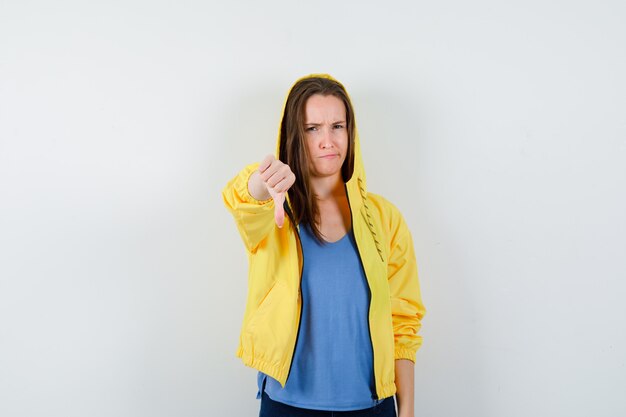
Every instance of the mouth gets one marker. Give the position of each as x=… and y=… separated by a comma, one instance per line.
x=329, y=156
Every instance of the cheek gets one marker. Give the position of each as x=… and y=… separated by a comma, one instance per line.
x=310, y=144
x=344, y=141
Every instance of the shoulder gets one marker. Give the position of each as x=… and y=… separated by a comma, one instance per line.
x=383, y=205
x=397, y=236
x=390, y=216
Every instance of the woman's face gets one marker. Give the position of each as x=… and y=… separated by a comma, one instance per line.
x=326, y=134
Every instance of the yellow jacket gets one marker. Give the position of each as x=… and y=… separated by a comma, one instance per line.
x=272, y=315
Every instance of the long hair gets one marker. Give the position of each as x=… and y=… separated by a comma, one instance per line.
x=294, y=153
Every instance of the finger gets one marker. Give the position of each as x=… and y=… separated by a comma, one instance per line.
x=274, y=178
x=271, y=170
x=265, y=163
x=282, y=175
x=283, y=185
x=279, y=211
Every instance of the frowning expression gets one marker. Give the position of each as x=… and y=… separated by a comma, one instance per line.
x=326, y=134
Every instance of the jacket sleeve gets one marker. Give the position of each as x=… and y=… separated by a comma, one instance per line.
x=254, y=218
x=407, y=308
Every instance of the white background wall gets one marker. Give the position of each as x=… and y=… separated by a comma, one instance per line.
x=497, y=128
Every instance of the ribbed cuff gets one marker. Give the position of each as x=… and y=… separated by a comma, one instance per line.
x=403, y=353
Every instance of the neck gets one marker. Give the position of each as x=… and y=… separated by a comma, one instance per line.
x=326, y=188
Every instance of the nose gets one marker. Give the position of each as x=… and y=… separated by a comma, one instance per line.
x=327, y=140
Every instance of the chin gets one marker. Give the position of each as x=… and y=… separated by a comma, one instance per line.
x=329, y=173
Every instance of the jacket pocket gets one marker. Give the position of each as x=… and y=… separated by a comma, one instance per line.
x=264, y=299
x=260, y=316
x=268, y=334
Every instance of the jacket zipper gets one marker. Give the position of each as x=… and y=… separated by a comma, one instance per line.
x=288, y=210
x=369, y=307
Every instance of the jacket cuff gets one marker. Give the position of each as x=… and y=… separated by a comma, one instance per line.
x=404, y=353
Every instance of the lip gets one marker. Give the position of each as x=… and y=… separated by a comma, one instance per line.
x=328, y=156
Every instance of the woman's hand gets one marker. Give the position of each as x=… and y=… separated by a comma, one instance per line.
x=278, y=178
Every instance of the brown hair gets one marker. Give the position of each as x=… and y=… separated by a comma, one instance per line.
x=294, y=153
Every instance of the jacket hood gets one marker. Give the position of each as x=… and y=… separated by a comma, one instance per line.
x=356, y=185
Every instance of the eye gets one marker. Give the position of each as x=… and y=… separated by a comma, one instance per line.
x=338, y=126
x=310, y=129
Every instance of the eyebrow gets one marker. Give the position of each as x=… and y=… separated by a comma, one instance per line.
x=319, y=124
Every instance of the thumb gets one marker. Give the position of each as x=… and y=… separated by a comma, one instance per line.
x=279, y=211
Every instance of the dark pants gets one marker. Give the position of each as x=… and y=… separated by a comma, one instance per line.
x=271, y=408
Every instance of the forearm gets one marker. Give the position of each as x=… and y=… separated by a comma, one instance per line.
x=405, y=385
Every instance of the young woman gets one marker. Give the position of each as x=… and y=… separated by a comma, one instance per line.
x=334, y=304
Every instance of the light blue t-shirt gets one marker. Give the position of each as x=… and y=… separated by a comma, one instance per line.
x=332, y=367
